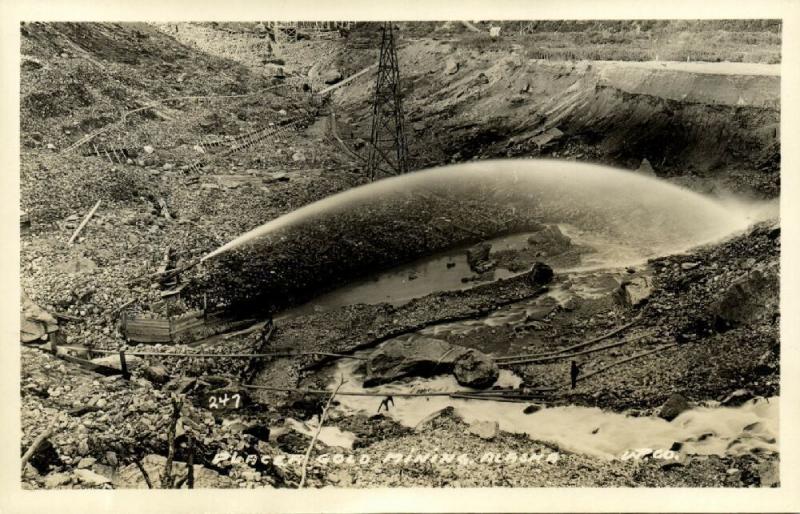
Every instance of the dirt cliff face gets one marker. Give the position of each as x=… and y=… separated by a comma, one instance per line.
x=684, y=118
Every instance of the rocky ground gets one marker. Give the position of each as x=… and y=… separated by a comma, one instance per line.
x=719, y=303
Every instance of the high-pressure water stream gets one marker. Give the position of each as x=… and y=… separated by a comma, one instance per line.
x=637, y=211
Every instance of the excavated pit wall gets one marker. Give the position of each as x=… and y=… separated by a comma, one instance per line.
x=682, y=117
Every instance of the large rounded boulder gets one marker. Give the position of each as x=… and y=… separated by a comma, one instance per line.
x=476, y=369
x=414, y=357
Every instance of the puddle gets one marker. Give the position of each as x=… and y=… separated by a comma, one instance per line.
x=439, y=272
x=446, y=271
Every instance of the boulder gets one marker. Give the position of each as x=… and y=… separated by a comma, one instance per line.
x=88, y=476
x=86, y=462
x=476, y=369
x=332, y=77
x=478, y=254
x=54, y=480
x=530, y=409
x=35, y=322
x=278, y=176
x=550, y=240
x=485, y=267
x=111, y=459
x=416, y=357
x=156, y=373
x=676, y=404
x=445, y=412
x=540, y=274
x=745, y=299
x=486, y=430
x=235, y=426
x=450, y=66
x=634, y=292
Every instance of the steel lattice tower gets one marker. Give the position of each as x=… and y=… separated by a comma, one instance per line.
x=388, y=152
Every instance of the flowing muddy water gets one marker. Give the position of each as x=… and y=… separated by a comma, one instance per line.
x=705, y=430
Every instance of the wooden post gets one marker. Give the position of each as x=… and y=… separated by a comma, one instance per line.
x=190, y=462
x=316, y=434
x=144, y=473
x=123, y=364
x=35, y=446
x=124, y=325
x=167, y=480
x=83, y=223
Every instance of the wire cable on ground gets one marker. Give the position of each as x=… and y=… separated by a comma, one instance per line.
x=227, y=355
x=623, y=361
x=561, y=356
x=573, y=347
x=465, y=393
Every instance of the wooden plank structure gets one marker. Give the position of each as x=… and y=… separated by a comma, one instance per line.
x=188, y=327
x=186, y=323
x=119, y=155
x=143, y=330
x=162, y=330
x=284, y=31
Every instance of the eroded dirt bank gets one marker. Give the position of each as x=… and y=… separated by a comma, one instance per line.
x=683, y=118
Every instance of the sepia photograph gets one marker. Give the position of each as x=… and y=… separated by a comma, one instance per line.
x=348, y=254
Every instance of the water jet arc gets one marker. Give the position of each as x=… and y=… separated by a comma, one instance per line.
x=652, y=217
